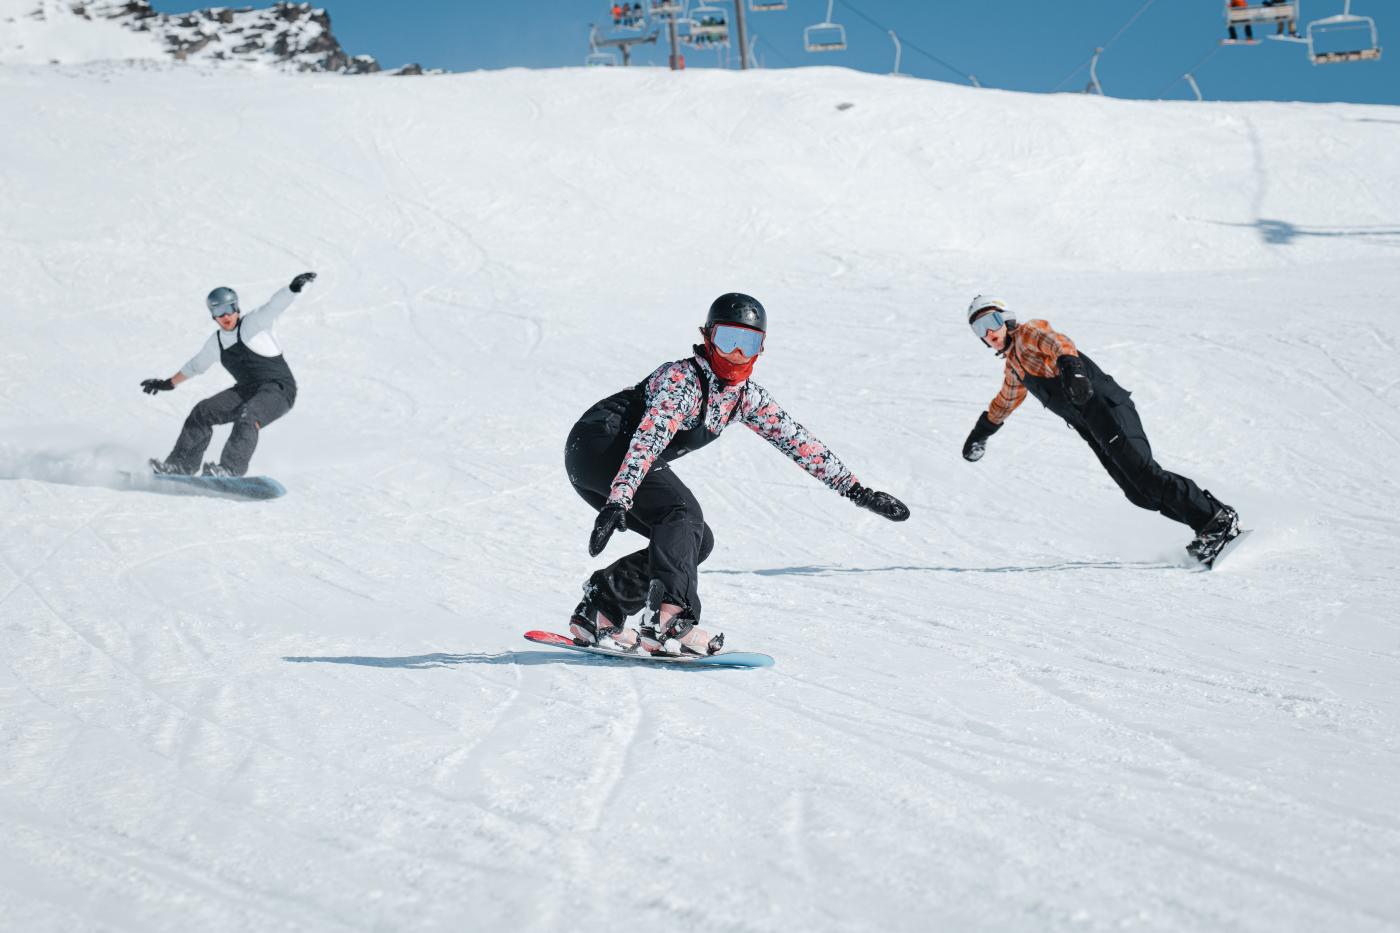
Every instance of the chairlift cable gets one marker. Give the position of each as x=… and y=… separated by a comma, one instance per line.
x=1141, y=10
x=777, y=51
x=1104, y=48
x=1065, y=80
x=907, y=44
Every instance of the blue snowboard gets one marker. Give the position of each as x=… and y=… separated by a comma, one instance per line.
x=723, y=659
x=224, y=487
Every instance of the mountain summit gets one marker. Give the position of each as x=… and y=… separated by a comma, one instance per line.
x=285, y=36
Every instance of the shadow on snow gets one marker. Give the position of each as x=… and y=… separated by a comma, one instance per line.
x=818, y=571
x=441, y=659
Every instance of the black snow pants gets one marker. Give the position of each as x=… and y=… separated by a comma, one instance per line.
x=1110, y=425
x=663, y=510
x=249, y=408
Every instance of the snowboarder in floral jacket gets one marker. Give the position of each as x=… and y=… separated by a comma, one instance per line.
x=619, y=458
x=1047, y=364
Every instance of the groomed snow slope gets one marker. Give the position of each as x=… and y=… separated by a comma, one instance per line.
x=1017, y=711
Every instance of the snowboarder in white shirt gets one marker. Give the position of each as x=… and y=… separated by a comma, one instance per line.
x=263, y=389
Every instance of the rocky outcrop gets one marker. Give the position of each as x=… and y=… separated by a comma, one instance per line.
x=293, y=36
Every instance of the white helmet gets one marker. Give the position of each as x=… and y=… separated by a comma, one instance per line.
x=982, y=302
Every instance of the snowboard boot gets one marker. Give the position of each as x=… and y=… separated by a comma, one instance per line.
x=678, y=635
x=1223, y=527
x=166, y=468
x=215, y=469
x=596, y=617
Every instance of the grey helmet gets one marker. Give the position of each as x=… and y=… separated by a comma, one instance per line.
x=221, y=301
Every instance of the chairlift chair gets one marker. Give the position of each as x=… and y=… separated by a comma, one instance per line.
x=1270, y=14
x=1344, y=23
x=628, y=22
x=709, y=27
x=825, y=36
x=665, y=9
x=767, y=6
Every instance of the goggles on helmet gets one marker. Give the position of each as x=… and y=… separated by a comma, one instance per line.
x=986, y=323
x=219, y=311
x=727, y=338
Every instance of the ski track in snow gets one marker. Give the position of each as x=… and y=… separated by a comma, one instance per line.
x=1020, y=710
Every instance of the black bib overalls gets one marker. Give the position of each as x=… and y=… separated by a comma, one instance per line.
x=1110, y=425
x=663, y=510
x=263, y=391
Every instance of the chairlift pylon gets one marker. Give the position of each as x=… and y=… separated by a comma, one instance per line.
x=825, y=36
x=1343, y=23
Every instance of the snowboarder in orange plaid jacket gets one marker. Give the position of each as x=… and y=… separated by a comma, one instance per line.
x=1044, y=363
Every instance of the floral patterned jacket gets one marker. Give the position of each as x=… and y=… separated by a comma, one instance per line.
x=673, y=400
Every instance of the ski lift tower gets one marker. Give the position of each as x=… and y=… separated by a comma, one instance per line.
x=668, y=11
x=624, y=43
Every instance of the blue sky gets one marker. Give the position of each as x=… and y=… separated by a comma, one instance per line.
x=1028, y=45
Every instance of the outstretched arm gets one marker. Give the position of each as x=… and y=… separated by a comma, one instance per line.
x=769, y=421
x=1008, y=398
x=263, y=317
x=207, y=356
x=767, y=418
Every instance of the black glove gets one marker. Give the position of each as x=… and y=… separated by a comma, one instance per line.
x=612, y=517
x=976, y=443
x=301, y=281
x=1075, y=378
x=881, y=503
x=152, y=386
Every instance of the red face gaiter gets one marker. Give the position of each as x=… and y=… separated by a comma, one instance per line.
x=731, y=373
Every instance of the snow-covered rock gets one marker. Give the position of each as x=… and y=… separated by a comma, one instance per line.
x=286, y=36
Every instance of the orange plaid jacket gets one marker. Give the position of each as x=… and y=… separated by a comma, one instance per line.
x=1031, y=348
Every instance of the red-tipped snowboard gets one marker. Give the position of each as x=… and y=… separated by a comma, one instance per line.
x=723, y=659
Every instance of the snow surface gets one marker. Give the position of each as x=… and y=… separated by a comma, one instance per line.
x=1017, y=711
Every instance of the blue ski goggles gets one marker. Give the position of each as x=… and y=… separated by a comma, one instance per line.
x=727, y=338
x=223, y=310
x=984, y=325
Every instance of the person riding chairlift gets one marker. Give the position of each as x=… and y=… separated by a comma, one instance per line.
x=1290, y=21
x=1248, y=29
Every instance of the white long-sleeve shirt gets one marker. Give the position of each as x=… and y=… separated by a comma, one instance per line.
x=256, y=328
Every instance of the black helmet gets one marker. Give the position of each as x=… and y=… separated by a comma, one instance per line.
x=735, y=308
